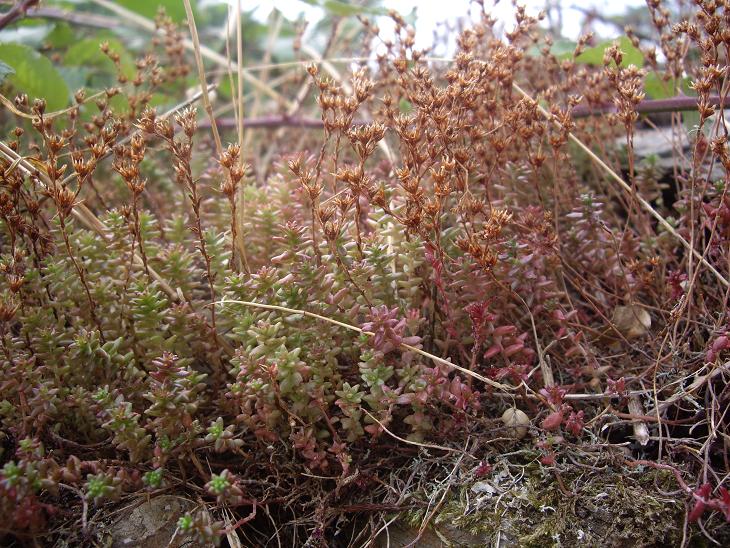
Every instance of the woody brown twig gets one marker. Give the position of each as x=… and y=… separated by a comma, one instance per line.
x=648, y=106
x=16, y=12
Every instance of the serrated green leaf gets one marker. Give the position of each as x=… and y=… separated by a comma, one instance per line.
x=75, y=77
x=149, y=8
x=161, y=99
x=119, y=104
x=88, y=53
x=35, y=75
x=224, y=88
x=61, y=36
x=631, y=55
x=593, y=56
x=561, y=49
x=657, y=88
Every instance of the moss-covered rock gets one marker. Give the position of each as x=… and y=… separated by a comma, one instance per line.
x=526, y=505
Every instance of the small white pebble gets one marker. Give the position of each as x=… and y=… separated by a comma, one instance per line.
x=517, y=421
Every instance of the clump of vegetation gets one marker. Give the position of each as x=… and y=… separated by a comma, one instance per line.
x=295, y=318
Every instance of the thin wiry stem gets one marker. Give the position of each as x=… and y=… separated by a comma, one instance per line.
x=416, y=443
x=7, y=103
x=83, y=214
x=201, y=76
x=241, y=186
x=441, y=361
x=624, y=185
x=82, y=276
x=205, y=51
x=239, y=86
x=206, y=97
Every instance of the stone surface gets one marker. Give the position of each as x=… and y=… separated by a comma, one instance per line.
x=661, y=144
x=152, y=524
x=400, y=535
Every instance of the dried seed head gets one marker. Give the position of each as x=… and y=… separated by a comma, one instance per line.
x=229, y=157
x=39, y=106
x=21, y=101
x=238, y=171
x=148, y=120
x=295, y=165
x=7, y=311
x=64, y=199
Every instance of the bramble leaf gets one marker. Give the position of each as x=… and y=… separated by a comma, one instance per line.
x=35, y=75
x=594, y=56
x=149, y=8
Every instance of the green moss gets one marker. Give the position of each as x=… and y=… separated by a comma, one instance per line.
x=608, y=507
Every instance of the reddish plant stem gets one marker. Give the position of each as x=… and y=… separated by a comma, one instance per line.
x=244, y=520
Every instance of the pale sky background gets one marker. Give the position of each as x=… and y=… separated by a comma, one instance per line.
x=432, y=12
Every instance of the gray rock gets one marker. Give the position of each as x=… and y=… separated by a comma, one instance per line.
x=400, y=535
x=152, y=524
